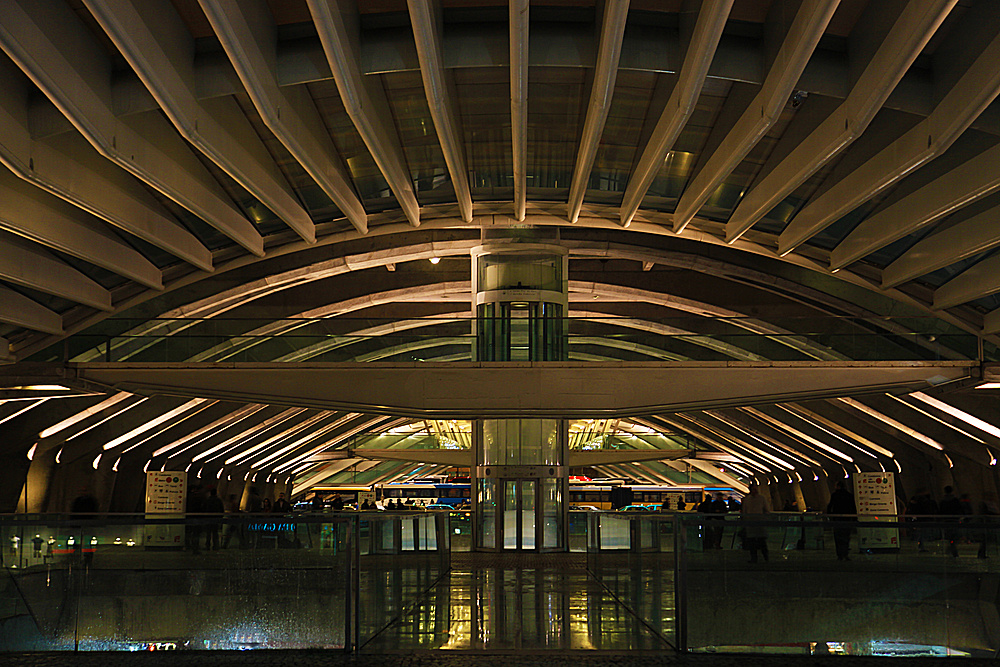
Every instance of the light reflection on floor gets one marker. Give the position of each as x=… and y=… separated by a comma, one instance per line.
x=517, y=603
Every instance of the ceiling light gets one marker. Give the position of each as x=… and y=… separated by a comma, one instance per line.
x=435, y=260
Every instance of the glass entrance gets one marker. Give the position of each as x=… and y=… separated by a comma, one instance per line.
x=519, y=525
x=520, y=484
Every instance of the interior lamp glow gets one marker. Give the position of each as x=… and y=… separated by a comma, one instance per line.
x=435, y=260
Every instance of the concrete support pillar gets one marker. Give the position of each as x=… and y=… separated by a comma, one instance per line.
x=775, y=496
x=800, y=501
x=35, y=492
x=815, y=493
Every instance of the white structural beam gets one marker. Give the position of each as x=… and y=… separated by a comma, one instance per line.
x=906, y=39
x=154, y=40
x=991, y=321
x=68, y=167
x=24, y=263
x=27, y=211
x=971, y=180
x=965, y=239
x=425, y=16
x=700, y=51
x=339, y=32
x=977, y=281
x=804, y=33
x=519, y=102
x=51, y=45
x=20, y=311
x=613, y=18
x=977, y=88
x=249, y=35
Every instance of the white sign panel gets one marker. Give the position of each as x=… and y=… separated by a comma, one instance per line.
x=166, y=496
x=875, y=496
x=166, y=492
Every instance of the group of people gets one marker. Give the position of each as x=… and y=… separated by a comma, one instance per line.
x=950, y=510
x=206, y=500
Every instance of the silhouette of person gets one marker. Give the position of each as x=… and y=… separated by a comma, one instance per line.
x=843, y=510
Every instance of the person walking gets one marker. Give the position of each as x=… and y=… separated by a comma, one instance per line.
x=754, y=508
x=843, y=512
x=954, y=509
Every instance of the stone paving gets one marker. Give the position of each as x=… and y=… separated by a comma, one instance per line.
x=263, y=658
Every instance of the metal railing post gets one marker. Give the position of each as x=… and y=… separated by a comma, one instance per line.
x=353, y=630
x=680, y=583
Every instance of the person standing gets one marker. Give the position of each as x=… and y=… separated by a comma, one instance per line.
x=954, y=508
x=843, y=511
x=213, y=505
x=282, y=505
x=755, y=508
x=715, y=526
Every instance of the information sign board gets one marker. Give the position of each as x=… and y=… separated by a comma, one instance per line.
x=166, y=496
x=875, y=497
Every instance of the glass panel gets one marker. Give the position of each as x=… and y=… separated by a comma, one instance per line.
x=408, y=534
x=520, y=333
x=487, y=514
x=528, y=514
x=552, y=513
x=110, y=584
x=614, y=532
x=510, y=514
x=521, y=442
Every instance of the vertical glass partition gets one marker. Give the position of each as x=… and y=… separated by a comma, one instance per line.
x=300, y=581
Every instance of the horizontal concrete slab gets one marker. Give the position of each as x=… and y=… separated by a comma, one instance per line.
x=566, y=389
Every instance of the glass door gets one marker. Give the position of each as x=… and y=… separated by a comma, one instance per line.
x=518, y=519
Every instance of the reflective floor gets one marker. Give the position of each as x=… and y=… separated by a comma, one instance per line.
x=504, y=602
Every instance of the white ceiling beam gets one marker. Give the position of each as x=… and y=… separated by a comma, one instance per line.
x=979, y=280
x=965, y=239
x=425, y=16
x=52, y=46
x=906, y=39
x=613, y=18
x=966, y=100
x=27, y=211
x=24, y=263
x=249, y=36
x=20, y=311
x=69, y=168
x=804, y=33
x=700, y=51
x=970, y=181
x=157, y=44
x=519, y=102
x=364, y=99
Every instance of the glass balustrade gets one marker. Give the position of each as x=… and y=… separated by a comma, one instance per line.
x=442, y=339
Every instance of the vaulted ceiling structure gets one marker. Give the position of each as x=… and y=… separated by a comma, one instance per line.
x=756, y=181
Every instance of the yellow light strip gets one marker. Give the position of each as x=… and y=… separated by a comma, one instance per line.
x=167, y=416
x=916, y=435
x=961, y=415
x=80, y=416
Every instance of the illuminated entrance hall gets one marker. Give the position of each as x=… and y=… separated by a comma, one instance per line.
x=528, y=262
